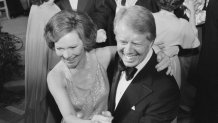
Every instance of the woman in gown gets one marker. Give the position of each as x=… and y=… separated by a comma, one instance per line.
x=173, y=32
x=37, y=61
x=79, y=82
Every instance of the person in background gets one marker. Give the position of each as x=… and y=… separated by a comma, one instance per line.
x=177, y=34
x=174, y=32
x=207, y=81
x=94, y=8
x=139, y=93
x=38, y=61
x=79, y=82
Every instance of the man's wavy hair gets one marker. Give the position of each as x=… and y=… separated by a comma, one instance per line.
x=139, y=19
x=65, y=22
x=169, y=5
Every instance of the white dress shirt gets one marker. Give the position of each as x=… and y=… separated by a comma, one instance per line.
x=123, y=83
x=73, y=4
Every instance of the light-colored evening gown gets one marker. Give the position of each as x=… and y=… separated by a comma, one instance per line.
x=88, y=88
x=37, y=62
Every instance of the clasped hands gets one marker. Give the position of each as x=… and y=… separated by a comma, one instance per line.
x=105, y=117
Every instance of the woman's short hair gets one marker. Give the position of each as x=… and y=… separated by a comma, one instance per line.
x=65, y=22
x=169, y=5
x=137, y=18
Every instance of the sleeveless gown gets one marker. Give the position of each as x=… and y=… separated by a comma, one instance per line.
x=88, y=88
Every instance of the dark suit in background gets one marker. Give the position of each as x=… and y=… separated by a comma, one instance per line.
x=154, y=96
x=94, y=8
x=207, y=84
x=111, y=10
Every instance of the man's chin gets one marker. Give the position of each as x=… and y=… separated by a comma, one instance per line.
x=130, y=64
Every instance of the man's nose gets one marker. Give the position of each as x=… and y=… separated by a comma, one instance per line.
x=128, y=48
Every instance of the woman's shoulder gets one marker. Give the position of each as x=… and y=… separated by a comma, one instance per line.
x=56, y=74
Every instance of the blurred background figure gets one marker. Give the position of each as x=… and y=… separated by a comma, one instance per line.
x=94, y=8
x=37, y=61
x=111, y=8
x=173, y=32
x=207, y=81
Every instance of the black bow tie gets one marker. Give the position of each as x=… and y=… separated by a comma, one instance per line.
x=130, y=71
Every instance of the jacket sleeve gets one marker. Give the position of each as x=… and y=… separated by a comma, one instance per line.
x=164, y=104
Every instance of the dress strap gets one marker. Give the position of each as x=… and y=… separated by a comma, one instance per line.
x=96, y=55
x=66, y=70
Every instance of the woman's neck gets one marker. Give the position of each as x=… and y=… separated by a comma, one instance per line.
x=83, y=61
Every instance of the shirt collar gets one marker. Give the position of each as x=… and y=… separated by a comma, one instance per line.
x=145, y=61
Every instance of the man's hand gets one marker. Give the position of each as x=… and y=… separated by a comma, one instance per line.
x=105, y=117
x=164, y=62
x=101, y=36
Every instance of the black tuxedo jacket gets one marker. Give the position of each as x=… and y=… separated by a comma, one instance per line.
x=94, y=8
x=152, y=97
x=111, y=10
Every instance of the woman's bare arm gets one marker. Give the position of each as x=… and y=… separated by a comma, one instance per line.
x=106, y=54
x=56, y=84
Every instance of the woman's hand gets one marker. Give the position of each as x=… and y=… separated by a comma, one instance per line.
x=105, y=117
x=191, y=5
x=101, y=36
x=164, y=61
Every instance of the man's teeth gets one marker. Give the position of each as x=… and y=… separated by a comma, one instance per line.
x=129, y=57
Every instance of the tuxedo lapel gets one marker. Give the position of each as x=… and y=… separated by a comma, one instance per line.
x=134, y=93
x=115, y=81
x=137, y=90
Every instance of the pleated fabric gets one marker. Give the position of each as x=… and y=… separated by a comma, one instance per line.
x=38, y=60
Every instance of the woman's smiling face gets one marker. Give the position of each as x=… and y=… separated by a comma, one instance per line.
x=70, y=49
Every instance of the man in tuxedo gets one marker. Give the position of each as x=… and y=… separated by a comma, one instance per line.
x=140, y=94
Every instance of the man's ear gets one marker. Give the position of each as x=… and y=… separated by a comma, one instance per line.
x=151, y=44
